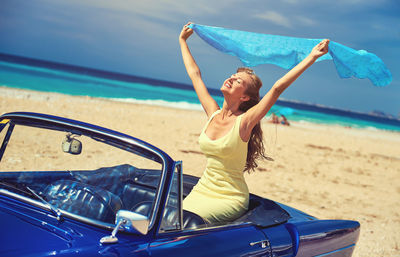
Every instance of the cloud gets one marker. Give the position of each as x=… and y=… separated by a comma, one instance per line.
x=274, y=17
x=291, y=1
x=337, y=2
x=167, y=10
x=305, y=21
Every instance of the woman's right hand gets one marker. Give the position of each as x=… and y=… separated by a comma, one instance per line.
x=186, y=32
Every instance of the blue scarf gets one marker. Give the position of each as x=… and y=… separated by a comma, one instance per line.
x=255, y=48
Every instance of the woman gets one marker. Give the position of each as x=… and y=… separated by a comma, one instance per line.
x=232, y=137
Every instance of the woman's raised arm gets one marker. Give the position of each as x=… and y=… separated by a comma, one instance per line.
x=257, y=112
x=206, y=100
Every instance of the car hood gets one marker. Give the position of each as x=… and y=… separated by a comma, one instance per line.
x=29, y=231
x=22, y=232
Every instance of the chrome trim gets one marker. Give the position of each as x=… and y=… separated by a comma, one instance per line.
x=191, y=231
x=336, y=251
x=121, y=138
x=112, y=239
x=264, y=243
x=53, y=209
x=180, y=191
x=167, y=199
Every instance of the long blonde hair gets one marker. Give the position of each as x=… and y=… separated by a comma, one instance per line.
x=255, y=147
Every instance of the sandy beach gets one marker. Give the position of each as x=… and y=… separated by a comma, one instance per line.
x=330, y=172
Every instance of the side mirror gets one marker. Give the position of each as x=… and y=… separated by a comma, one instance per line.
x=129, y=221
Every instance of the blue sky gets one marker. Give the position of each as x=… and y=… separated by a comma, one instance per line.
x=141, y=38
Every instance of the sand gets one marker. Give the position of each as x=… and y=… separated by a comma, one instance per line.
x=330, y=172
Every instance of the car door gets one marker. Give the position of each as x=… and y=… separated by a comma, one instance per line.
x=281, y=239
x=239, y=239
x=232, y=240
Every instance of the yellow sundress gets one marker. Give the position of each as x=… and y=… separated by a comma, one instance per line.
x=221, y=195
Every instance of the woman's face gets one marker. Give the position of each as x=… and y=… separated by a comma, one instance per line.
x=236, y=85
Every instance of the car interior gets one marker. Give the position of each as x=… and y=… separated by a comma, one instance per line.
x=98, y=194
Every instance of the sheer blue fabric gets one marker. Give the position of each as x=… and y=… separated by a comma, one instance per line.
x=255, y=48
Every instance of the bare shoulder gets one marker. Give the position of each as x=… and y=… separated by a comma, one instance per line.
x=211, y=110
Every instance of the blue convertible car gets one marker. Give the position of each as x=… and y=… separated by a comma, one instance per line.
x=69, y=188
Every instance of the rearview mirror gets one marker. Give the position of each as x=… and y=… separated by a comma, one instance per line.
x=71, y=145
x=129, y=221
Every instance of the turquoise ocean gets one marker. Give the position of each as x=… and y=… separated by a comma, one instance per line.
x=44, y=76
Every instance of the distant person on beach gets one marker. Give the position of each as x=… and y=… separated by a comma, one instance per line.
x=284, y=121
x=274, y=119
x=232, y=138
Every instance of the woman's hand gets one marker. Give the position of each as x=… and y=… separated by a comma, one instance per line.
x=186, y=32
x=320, y=49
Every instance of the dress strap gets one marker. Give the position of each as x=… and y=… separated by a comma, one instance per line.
x=211, y=117
x=214, y=113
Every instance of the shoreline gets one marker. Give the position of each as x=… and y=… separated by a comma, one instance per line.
x=27, y=93
x=330, y=172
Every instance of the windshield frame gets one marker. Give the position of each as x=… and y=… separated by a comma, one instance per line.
x=117, y=139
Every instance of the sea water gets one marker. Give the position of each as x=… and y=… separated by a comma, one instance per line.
x=24, y=73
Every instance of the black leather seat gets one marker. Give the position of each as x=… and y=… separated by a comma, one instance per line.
x=190, y=220
x=139, y=199
x=143, y=208
x=83, y=199
x=132, y=194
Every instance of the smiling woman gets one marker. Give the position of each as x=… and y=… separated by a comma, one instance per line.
x=232, y=138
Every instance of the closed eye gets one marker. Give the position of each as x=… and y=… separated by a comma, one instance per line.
x=238, y=79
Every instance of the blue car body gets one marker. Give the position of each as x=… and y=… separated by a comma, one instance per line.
x=59, y=211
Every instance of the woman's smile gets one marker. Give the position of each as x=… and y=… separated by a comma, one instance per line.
x=228, y=85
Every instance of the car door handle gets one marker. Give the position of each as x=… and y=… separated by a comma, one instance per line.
x=264, y=243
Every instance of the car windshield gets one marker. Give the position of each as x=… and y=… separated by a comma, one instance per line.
x=86, y=176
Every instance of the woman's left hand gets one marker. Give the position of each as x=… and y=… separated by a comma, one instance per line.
x=320, y=49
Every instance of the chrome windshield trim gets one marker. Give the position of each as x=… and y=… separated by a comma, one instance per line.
x=167, y=199
x=53, y=209
x=121, y=138
x=180, y=191
x=64, y=213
